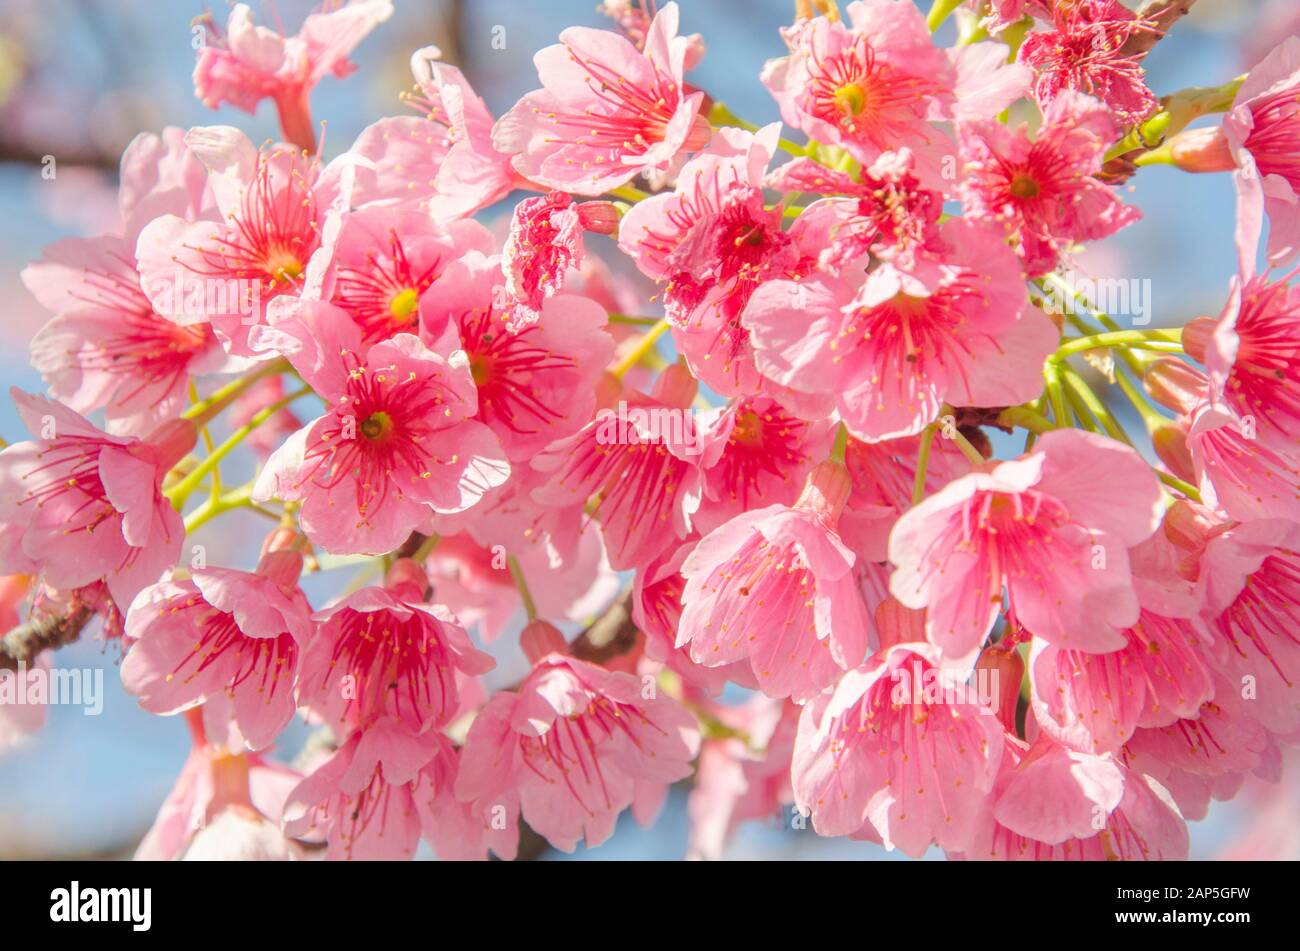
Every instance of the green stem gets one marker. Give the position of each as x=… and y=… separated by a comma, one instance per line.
x=1117, y=338
x=240, y=498
x=182, y=489
x=923, y=463
x=1095, y=406
x=939, y=12
x=841, y=444
x=629, y=194
x=1024, y=417
x=643, y=348
x=204, y=411
x=1174, y=482
x=1056, y=395
x=1152, y=418
x=633, y=321
x=426, y=548
x=517, y=573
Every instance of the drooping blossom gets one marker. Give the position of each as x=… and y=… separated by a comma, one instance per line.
x=248, y=63
x=642, y=465
x=574, y=746
x=960, y=325
x=535, y=378
x=366, y=800
x=1084, y=52
x=882, y=755
x=222, y=632
x=606, y=112
x=396, y=442
x=1051, y=528
x=1054, y=803
x=387, y=652
x=106, y=347
x=79, y=506
x=1250, y=579
x=775, y=586
x=1043, y=191
x=225, y=805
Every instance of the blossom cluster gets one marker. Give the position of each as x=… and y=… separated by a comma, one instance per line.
x=783, y=562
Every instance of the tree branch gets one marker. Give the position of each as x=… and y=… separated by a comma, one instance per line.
x=26, y=641
x=1163, y=14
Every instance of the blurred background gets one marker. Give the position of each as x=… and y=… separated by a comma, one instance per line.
x=79, y=78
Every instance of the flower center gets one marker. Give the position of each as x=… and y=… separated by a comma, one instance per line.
x=1022, y=186
x=283, y=266
x=850, y=99
x=404, y=304
x=377, y=425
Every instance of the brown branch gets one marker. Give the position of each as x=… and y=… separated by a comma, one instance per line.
x=26, y=641
x=23, y=153
x=610, y=635
x=1163, y=14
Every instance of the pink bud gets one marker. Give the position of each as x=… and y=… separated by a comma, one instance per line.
x=600, y=217
x=541, y=638
x=1202, y=150
x=1174, y=384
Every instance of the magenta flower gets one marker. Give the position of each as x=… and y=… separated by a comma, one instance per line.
x=249, y=63
x=574, y=746
x=1077, y=502
x=222, y=632
x=545, y=243
x=1043, y=192
x=962, y=328
x=535, y=378
x=646, y=475
x=775, y=586
x=385, y=652
x=1084, y=52
x=396, y=443
x=80, y=506
x=607, y=111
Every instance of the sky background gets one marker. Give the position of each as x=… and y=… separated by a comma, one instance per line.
x=79, y=79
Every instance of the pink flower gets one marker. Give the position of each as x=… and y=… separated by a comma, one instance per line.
x=383, y=261
x=107, y=348
x=657, y=612
x=545, y=242
x=1052, y=528
x=883, y=475
x=607, y=111
x=868, y=86
x=741, y=777
x=1043, y=192
x=776, y=586
x=891, y=216
x=960, y=325
x=646, y=475
x=1053, y=803
x=366, y=799
x=385, y=652
x=396, y=442
x=222, y=632
x=1084, y=53
x=535, y=379
x=759, y=455
x=251, y=63
x=1250, y=582
x=225, y=272
x=882, y=754
x=79, y=506
x=442, y=162
x=714, y=241
x=224, y=806
x=574, y=746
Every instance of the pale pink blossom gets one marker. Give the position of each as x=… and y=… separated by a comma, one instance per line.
x=222, y=632
x=607, y=112
x=574, y=746
x=1052, y=528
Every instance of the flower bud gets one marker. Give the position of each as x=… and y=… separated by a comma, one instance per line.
x=541, y=638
